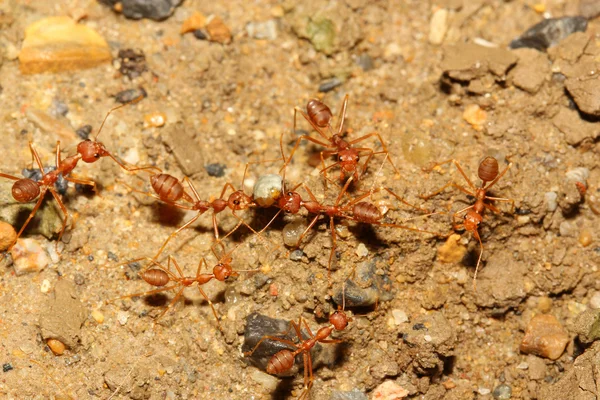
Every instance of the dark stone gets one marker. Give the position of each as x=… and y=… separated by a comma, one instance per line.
x=79, y=279
x=258, y=326
x=365, y=289
x=127, y=96
x=84, y=131
x=549, y=32
x=365, y=62
x=329, y=85
x=216, y=169
x=133, y=62
x=58, y=108
x=296, y=255
x=157, y=10
x=112, y=256
x=200, y=34
x=7, y=367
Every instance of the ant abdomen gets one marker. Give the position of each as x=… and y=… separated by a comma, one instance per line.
x=156, y=277
x=280, y=362
x=366, y=212
x=25, y=190
x=168, y=188
x=488, y=169
x=319, y=113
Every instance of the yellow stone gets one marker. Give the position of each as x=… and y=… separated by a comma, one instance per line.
x=475, y=116
x=195, y=22
x=57, y=44
x=452, y=251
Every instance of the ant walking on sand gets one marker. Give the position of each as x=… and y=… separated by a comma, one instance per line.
x=165, y=279
x=284, y=360
x=489, y=175
x=25, y=190
x=319, y=117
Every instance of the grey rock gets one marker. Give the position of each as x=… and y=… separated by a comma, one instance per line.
x=258, y=326
x=129, y=95
x=502, y=392
x=262, y=30
x=329, y=85
x=351, y=395
x=84, y=131
x=216, y=170
x=549, y=32
x=157, y=10
x=587, y=326
x=365, y=289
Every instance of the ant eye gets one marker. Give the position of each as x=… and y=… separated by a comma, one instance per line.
x=236, y=202
x=290, y=194
x=96, y=155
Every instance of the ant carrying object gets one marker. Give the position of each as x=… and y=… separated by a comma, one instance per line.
x=284, y=360
x=165, y=279
x=488, y=172
x=25, y=190
x=319, y=117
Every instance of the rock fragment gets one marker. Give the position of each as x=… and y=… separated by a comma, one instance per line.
x=389, y=390
x=59, y=44
x=366, y=289
x=544, y=337
x=8, y=235
x=549, y=32
x=451, y=251
x=63, y=315
x=585, y=94
x=217, y=30
x=589, y=8
x=195, y=22
x=465, y=62
x=575, y=129
x=28, y=256
x=531, y=71
x=438, y=26
x=157, y=10
x=587, y=326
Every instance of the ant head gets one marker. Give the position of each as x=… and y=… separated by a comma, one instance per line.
x=290, y=202
x=348, y=160
x=472, y=220
x=223, y=271
x=339, y=320
x=488, y=169
x=239, y=201
x=91, y=151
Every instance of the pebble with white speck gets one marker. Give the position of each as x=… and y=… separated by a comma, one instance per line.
x=216, y=170
x=296, y=255
x=7, y=367
x=502, y=392
x=484, y=391
x=361, y=250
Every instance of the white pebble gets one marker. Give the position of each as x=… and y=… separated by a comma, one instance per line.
x=361, y=250
x=267, y=381
x=523, y=365
x=550, y=198
x=484, y=391
x=45, y=287
x=578, y=175
x=122, y=317
x=400, y=316
x=28, y=256
x=595, y=301
x=427, y=338
x=438, y=26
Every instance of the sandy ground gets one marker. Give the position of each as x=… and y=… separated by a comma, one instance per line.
x=430, y=333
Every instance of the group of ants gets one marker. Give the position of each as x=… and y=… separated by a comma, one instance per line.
x=352, y=162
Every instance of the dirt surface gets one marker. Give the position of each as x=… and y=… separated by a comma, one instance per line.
x=226, y=105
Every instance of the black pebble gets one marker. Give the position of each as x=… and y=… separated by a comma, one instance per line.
x=84, y=131
x=216, y=169
x=200, y=34
x=7, y=367
x=157, y=10
x=129, y=95
x=329, y=85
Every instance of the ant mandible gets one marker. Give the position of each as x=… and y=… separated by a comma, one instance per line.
x=319, y=117
x=488, y=172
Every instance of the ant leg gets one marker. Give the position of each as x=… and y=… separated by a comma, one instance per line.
x=476, y=234
x=65, y=212
x=459, y=168
x=308, y=328
x=328, y=153
x=492, y=208
x=304, y=394
x=310, y=139
x=147, y=293
x=177, y=296
x=449, y=184
x=31, y=214
x=312, y=223
x=227, y=185
x=202, y=261
x=333, y=246
x=331, y=341
x=511, y=201
x=405, y=202
x=456, y=226
x=342, y=115
x=274, y=338
x=385, y=149
x=14, y=178
x=36, y=156
x=408, y=228
x=500, y=175
x=172, y=235
x=210, y=303
x=80, y=181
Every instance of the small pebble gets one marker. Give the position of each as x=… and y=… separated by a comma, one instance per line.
x=361, y=250
x=389, y=390
x=296, y=255
x=544, y=304
x=217, y=170
x=452, y=251
x=544, y=337
x=438, y=26
x=262, y=30
x=218, y=31
x=129, y=95
x=329, y=85
x=122, y=317
x=7, y=367
x=28, y=256
x=551, y=202
x=523, y=366
x=549, y=32
x=156, y=10
x=585, y=237
x=84, y=131
x=502, y=392
x=475, y=116
x=155, y=119
x=98, y=316
x=265, y=380
x=195, y=22
x=200, y=34
x=8, y=235
x=112, y=256
x=595, y=301
x=45, y=287
x=79, y=279
x=400, y=316
x=484, y=391
x=57, y=347
x=365, y=61
x=292, y=232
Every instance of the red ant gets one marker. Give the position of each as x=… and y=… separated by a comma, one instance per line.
x=284, y=360
x=357, y=210
x=25, y=190
x=170, y=190
x=319, y=117
x=488, y=173
x=160, y=276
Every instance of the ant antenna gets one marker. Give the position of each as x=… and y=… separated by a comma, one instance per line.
x=140, y=97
